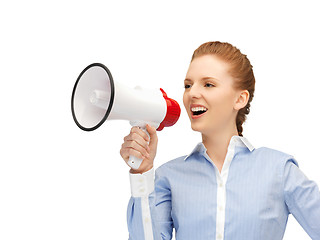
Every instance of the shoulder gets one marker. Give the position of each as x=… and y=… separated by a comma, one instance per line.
x=170, y=166
x=274, y=156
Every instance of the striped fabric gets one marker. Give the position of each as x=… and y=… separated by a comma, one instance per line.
x=249, y=200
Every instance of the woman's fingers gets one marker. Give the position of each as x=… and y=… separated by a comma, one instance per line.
x=133, y=145
x=142, y=133
x=140, y=145
x=153, y=136
x=138, y=135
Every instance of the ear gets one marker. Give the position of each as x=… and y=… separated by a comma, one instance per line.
x=242, y=99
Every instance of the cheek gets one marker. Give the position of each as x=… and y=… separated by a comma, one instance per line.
x=185, y=101
x=221, y=104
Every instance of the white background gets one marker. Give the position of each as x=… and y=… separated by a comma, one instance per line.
x=58, y=182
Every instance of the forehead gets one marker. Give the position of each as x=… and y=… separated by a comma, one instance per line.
x=208, y=66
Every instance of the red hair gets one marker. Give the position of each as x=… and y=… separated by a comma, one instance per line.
x=240, y=69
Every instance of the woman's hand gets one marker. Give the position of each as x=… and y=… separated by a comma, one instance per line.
x=136, y=144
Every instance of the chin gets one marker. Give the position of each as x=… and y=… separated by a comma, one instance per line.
x=204, y=127
x=198, y=128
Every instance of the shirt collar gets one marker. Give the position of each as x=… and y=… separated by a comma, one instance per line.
x=235, y=139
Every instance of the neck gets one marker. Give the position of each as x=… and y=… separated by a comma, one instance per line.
x=217, y=144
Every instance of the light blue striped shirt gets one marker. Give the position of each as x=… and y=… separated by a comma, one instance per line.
x=249, y=200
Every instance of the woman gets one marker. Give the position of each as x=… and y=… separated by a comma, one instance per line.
x=225, y=188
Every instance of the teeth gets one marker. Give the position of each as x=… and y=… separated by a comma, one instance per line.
x=196, y=109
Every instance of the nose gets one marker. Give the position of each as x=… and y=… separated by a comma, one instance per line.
x=194, y=91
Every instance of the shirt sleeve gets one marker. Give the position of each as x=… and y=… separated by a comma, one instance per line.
x=302, y=196
x=149, y=208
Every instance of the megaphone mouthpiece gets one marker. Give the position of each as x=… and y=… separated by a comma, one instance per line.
x=173, y=112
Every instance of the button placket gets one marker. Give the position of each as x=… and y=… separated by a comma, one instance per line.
x=220, y=205
x=221, y=190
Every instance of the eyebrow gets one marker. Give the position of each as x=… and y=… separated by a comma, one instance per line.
x=203, y=79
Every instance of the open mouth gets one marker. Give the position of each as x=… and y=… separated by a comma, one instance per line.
x=198, y=111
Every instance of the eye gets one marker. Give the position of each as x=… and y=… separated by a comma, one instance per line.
x=209, y=84
x=187, y=86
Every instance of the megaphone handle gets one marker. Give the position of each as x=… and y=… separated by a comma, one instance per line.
x=133, y=161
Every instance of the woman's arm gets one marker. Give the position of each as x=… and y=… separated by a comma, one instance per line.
x=302, y=197
x=149, y=208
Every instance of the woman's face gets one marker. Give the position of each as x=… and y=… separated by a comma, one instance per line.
x=209, y=84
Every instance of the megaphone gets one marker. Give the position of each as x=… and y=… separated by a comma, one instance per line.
x=96, y=97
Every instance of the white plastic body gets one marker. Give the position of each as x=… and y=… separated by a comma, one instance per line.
x=132, y=104
x=139, y=106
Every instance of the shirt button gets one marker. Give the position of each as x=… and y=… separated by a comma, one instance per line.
x=219, y=236
x=220, y=208
x=141, y=180
x=146, y=219
x=221, y=185
x=142, y=190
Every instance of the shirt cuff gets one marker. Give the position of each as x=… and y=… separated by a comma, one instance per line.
x=142, y=184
